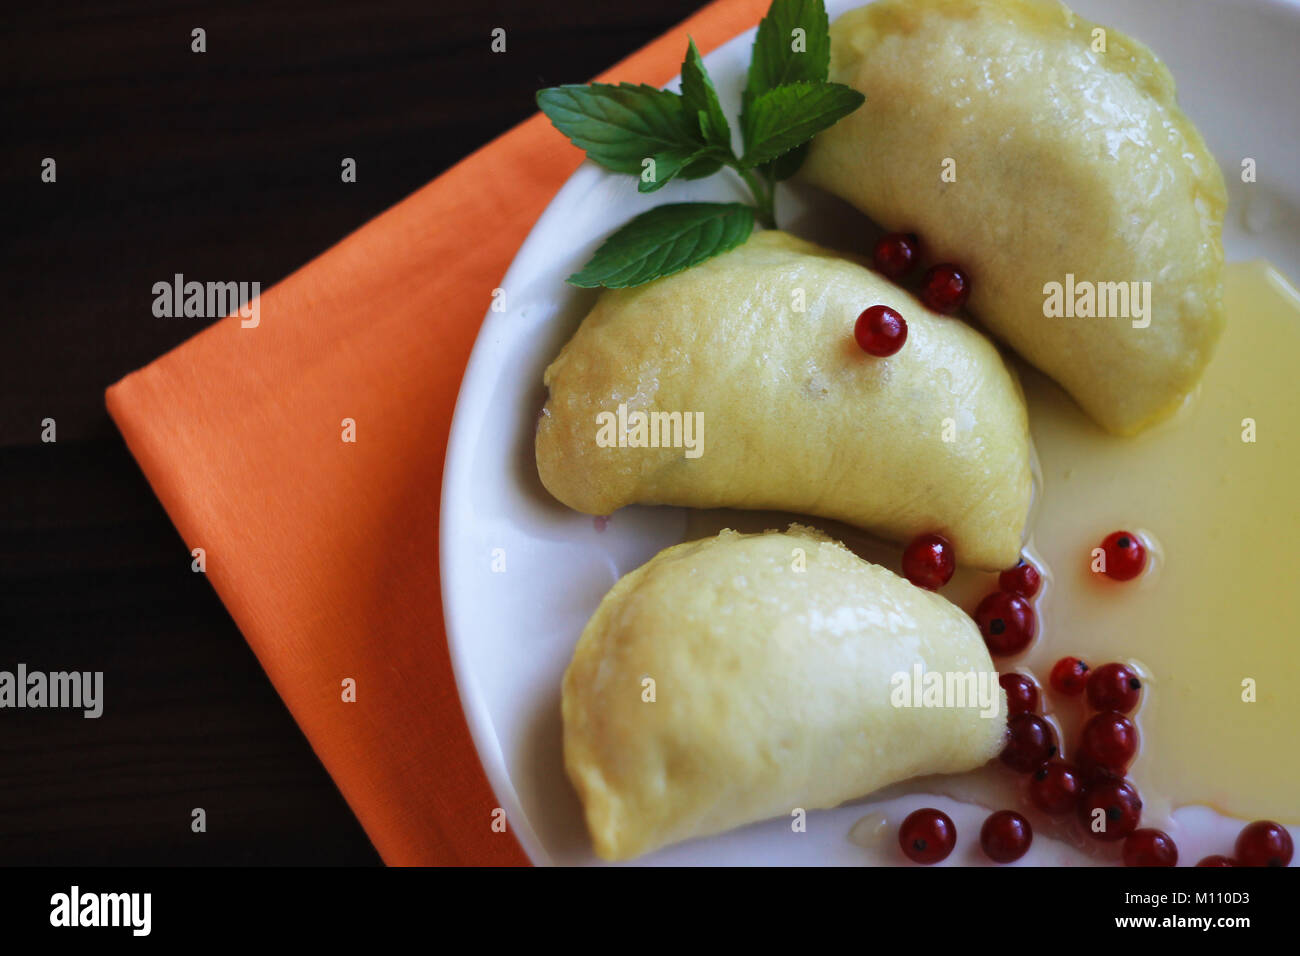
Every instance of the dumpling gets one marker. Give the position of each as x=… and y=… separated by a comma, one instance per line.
x=778, y=408
x=1077, y=179
x=773, y=688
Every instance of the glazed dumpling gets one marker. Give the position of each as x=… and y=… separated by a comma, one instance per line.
x=779, y=408
x=773, y=688
x=1071, y=165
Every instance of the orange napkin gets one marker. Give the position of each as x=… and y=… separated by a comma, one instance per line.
x=325, y=552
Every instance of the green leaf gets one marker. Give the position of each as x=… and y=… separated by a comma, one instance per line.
x=701, y=168
x=787, y=164
x=781, y=55
x=776, y=62
x=665, y=240
x=789, y=116
x=700, y=100
x=668, y=166
x=620, y=125
x=712, y=160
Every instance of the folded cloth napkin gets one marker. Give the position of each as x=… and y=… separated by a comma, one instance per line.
x=325, y=551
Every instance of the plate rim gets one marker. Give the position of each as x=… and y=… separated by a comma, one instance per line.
x=459, y=442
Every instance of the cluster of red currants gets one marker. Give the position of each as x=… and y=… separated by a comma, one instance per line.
x=1108, y=805
x=880, y=330
x=1093, y=785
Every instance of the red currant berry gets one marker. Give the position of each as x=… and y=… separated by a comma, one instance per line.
x=1264, y=843
x=1110, y=809
x=1055, y=787
x=1069, y=676
x=1217, y=860
x=1150, y=848
x=1022, y=693
x=1006, y=836
x=1113, y=687
x=1031, y=742
x=1109, y=741
x=927, y=836
x=1007, y=622
x=880, y=331
x=1092, y=773
x=1125, y=556
x=928, y=562
x=1023, y=579
x=895, y=254
x=945, y=288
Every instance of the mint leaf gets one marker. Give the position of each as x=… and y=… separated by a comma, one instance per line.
x=668, y=166
x=789, y=116
x=700, y=100
x=787, y=164
x=781, y=55
x=715, y=159
x=619, y=126
x=665, y=240
x=701, y=168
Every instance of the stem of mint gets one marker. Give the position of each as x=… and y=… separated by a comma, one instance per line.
x=764, y=196
x=788, y=99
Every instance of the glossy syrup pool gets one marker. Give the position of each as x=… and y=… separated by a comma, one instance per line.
x=1212, y=619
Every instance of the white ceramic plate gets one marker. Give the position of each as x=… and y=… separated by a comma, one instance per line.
x=511, y=632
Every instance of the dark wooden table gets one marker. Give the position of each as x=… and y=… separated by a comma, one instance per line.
x=218, y=164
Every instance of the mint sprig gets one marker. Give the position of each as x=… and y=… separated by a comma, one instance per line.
x=658, y=136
